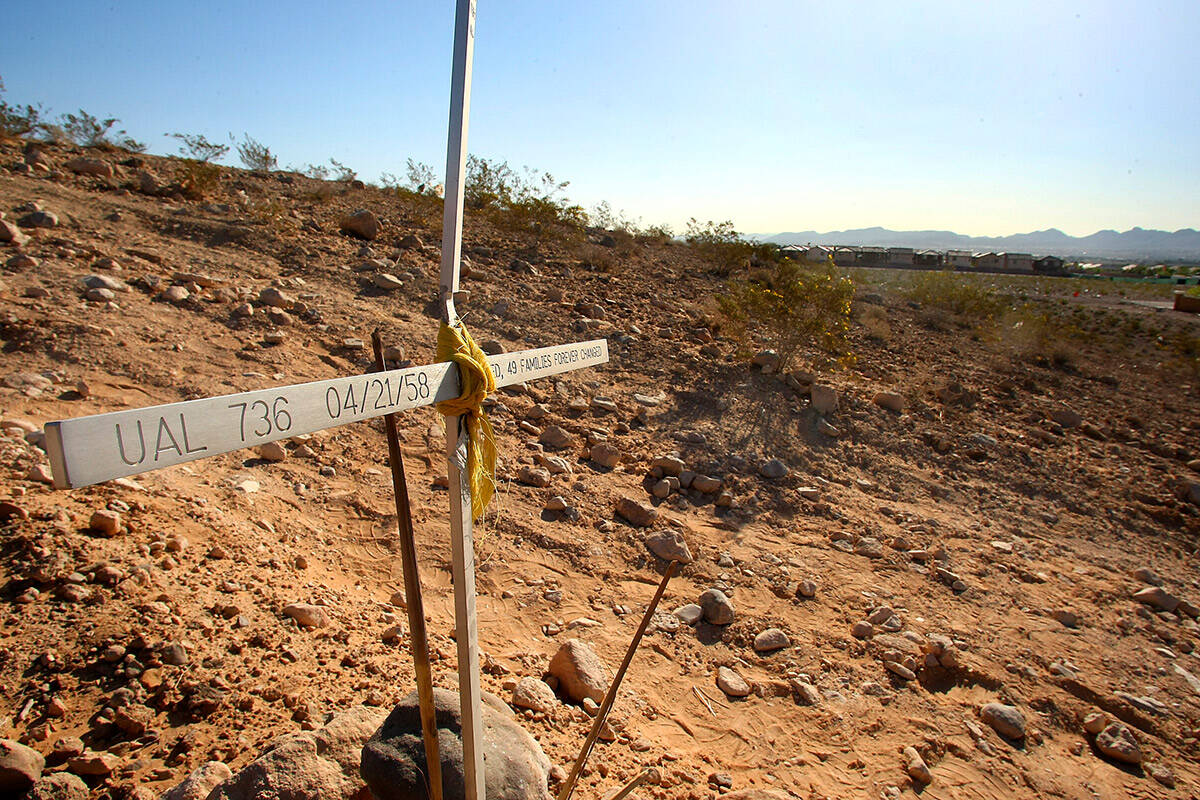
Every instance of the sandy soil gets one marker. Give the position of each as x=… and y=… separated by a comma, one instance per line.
x=1043, y=523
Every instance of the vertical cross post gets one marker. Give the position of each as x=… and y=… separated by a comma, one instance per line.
x=461, y=534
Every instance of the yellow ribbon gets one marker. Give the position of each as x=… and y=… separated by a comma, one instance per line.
x=476, y=380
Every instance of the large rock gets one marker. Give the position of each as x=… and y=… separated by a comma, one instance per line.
x=669, y=546
x=90, y=166
x=20, y=767
x=393, y=761
x=605, y=454
x=1157, y=597
x=580, y=671
x=200, y=783
x=535, y=694
x=1117, y=742
x=361, y=223
x=58, y=786
x=308, y=615
x=12, y=234
x=321, y=765
x=732, y=683
x=635, y=513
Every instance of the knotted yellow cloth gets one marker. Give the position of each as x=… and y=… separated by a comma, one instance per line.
x=476, y=379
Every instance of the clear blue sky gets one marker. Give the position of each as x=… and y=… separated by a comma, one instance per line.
x=986, y=118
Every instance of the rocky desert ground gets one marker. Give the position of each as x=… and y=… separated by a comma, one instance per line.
x=964, y=567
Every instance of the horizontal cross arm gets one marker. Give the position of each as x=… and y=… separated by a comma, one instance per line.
x=101, y=447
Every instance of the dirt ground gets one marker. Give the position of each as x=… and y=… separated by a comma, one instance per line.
x=1006, y=508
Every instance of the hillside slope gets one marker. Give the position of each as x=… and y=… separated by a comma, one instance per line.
x=1003, y=534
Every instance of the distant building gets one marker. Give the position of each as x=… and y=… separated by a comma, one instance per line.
x=929, y=259
x=818, y=254
x=988, y=262
x=872, y=257
x=845, y=256
x=1018, y=262
x=1050, y=265
x=958, y=259
x=793, y=251
x=900, y=256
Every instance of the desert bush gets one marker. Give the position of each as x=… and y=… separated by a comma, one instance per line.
x=199, y=179
x=719, y=243
x=199, y=148
x=953, y=292
x=791, y=306
x=875, y=322
x=529, y=203
x=87, y=130
x=18, y=120
x=254, y=154
x=1041, y=337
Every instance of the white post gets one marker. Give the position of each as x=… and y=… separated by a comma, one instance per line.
x=461, y=535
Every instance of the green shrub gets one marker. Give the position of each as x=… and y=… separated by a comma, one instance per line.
x=954, y=292
x=791, y=306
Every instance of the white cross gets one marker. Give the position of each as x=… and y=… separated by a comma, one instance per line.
x=98, y=448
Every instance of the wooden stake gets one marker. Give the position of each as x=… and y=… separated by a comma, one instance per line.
x=461, y=534
x=633, y=784
x=611, y=696
x=412, y=595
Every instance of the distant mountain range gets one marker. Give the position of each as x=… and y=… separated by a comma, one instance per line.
x=1136, y=244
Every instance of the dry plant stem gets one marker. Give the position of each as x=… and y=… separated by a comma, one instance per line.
x=633, y=784
x=611, y=696
x=412, y=595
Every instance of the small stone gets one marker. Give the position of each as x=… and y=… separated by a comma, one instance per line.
x=605, y=454
x=900, y=670
x=307, y=615
x=361, y=223
x=93, y=763
x=1067, y=617
x=869, y=546
x=731, y=683
x=174, y=294
x=174, y=654
x=806, y=589
x=889, y=401
x=272, y=451
x=105, y=522
x=580, y=671
x=689, y=614
x=805, y=693
x=200, y=782
x=862, y=630
x=774, y=468
x=637, y=514
x=534, y=476
x=1006, y=720
x=39, y=219
x=274, y=298
x=669, y=546
x=824, y=398
x=1148, y=576
x=1095, y=722
x=706, y=485
x=1117, y=742
x=557, y=437
x=1161, y=773
x=535, y=694
x=770, y=640
x=1066, y=417
x=717, y=608
x=916, y=766
x=90, y=166
x=387, y=282
x=40, y=473
x=670, y=465
x=58, y=786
